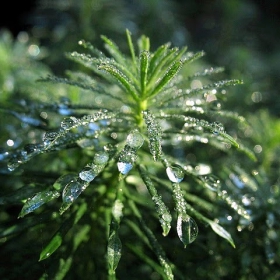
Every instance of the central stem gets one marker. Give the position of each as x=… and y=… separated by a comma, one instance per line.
x=142, y=105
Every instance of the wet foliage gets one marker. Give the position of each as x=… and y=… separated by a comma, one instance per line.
x=127, y=162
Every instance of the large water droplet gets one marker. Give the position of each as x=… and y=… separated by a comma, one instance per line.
x=101, y=158
x=187, y=229
x=175, y=173
x=87, y=174
x=63, y=180
x=135, y=139
x=124, y=167
x=72, y=190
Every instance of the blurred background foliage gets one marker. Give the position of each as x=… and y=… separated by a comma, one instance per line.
x=240, y=35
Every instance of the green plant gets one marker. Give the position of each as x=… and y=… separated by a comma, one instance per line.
x=121, y=165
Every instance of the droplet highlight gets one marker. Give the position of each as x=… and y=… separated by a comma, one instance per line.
x=124, y=167
x=175, y=173
x=135, y=139
x=187, y=229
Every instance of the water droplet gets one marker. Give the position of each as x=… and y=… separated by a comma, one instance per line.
x=217, y=128
x=64, y=106
x=202, y=169
x=68, y=123
x=101, y=158
x=49, y=137
x=3, y=154
x=72, y=190
x=87, y=174
x=15, y=162
x=237, y=181
x=247, y=199
x=175, y=173
x=212, y=182
x=32, y=148
x=124, y=167
x=64, y=180
x=92, y=128
x=187, y=229
x=135, y=139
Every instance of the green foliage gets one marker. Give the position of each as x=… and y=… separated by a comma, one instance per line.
x=121, y=164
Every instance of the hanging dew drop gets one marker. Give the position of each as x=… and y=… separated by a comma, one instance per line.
x=175, y=173
x=124, y=167
x=87, y=174
x=187, y=229
x=135, y=139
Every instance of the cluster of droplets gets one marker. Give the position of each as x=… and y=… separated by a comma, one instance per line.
x=74, y=185
x=128, y=155
x=154, y=134
x=217, y=128
x=91, y=171
x=234, y=204
x=22, y=156
x=164, y=215
x=190, y=122
x=53, y=139
x=213, y=183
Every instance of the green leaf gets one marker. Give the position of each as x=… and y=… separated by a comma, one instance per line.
x=114, y=251
x=38, y=200
x=131, y=46
x=121, y=78
x=114, y=50
x=157, y=249
x=163, y=212
x=157, y=57
x=144, y=43
x=56, y=240
x=144, y=64
x=167, y=77
x=222, y=232
x=163, y=63
x=64, y=267
x=52, y=246
x=80, y=236
x=154, y=134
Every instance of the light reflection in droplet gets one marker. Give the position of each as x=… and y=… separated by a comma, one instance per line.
x=196, y=84
x=258, y=149
x=33, y=50
x=10, y=142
